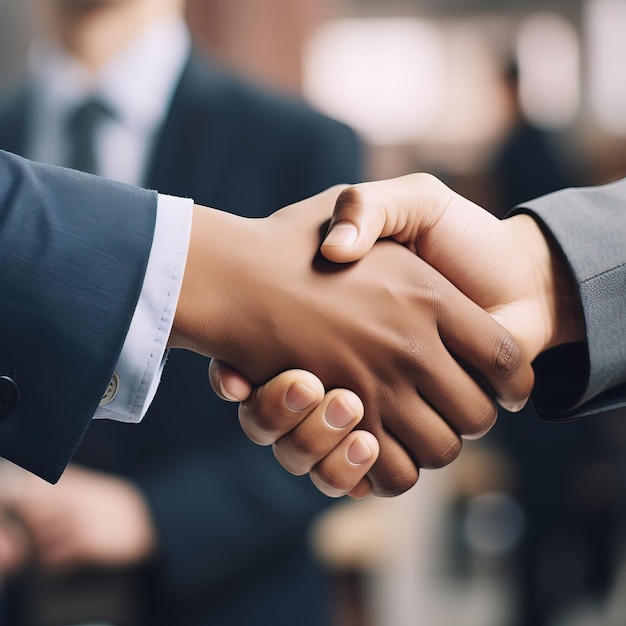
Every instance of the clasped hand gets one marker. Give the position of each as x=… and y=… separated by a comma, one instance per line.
x=389, y=328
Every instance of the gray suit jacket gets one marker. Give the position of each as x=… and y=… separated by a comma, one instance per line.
x=589, y=224
x=73, y=252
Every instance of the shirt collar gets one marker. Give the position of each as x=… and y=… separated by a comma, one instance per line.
x=137, y=84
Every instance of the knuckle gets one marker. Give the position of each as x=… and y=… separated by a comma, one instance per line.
x=349, y=196
x=405, y=481
x=296, y=465
x=442, y=454
x=483, y=419
x=427, y=181
x=304, y=446
x=258, y=425
x=428, y=187
x=401, y=481
x=508, y=357
x=417, y=355
x=328, y=479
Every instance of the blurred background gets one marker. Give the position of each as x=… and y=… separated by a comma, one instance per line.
x=504, y=100
x=421, y=80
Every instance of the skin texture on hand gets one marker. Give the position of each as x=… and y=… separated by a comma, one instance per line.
x=509, y=267
x=87, y=518
x=258, y=296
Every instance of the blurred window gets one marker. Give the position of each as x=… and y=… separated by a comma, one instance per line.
x=548, y=56
x=386, y=77
x=406, y=80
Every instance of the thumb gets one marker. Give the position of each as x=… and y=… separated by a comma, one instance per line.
x=401, y=208
x=356, y=224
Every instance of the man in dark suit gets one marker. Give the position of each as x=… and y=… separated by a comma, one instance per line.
x=252, y=296
x=213, y=545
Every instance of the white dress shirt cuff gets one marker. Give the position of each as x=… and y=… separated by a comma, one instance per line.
x=138, y=370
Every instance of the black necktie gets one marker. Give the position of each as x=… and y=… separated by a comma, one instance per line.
x=82, y=126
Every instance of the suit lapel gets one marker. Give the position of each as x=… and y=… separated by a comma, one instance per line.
x=196, y=126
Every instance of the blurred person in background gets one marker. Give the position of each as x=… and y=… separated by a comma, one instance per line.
x=150, y=525
x=530, y=162
x=564, y=552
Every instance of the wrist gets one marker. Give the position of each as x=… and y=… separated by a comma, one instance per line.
x=556, y=291
x=199, y=290
x=215, y=297
x=569, y=326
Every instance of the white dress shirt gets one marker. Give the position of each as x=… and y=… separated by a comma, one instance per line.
x=137, y=86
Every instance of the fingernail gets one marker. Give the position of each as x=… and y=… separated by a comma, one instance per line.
x=343, y=234
x=227, y=394
x=512, y=406
x=339, y=413
x=359, y=452
x=300, y=397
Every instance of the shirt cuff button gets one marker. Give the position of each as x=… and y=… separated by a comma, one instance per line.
x=111, y=390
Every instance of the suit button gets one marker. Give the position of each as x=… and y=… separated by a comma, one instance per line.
x=9, y=396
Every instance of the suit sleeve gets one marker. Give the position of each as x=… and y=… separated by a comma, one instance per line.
x=73, y=252
x=589, y=225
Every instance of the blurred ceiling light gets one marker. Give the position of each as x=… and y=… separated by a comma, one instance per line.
x=548, y=54
x=386, y=77
x=605, y=25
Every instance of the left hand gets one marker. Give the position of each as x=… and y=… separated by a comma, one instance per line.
x=87, y=518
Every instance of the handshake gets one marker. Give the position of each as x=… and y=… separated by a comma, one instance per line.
x=411, y=313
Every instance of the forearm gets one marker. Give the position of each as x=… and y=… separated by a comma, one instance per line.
x=74, y=250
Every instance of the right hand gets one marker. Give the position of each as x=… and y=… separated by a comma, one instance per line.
x=384, y=328
x=508, y=267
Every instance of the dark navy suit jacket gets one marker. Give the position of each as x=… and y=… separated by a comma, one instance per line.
x=73, y=252
x=231, y=522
